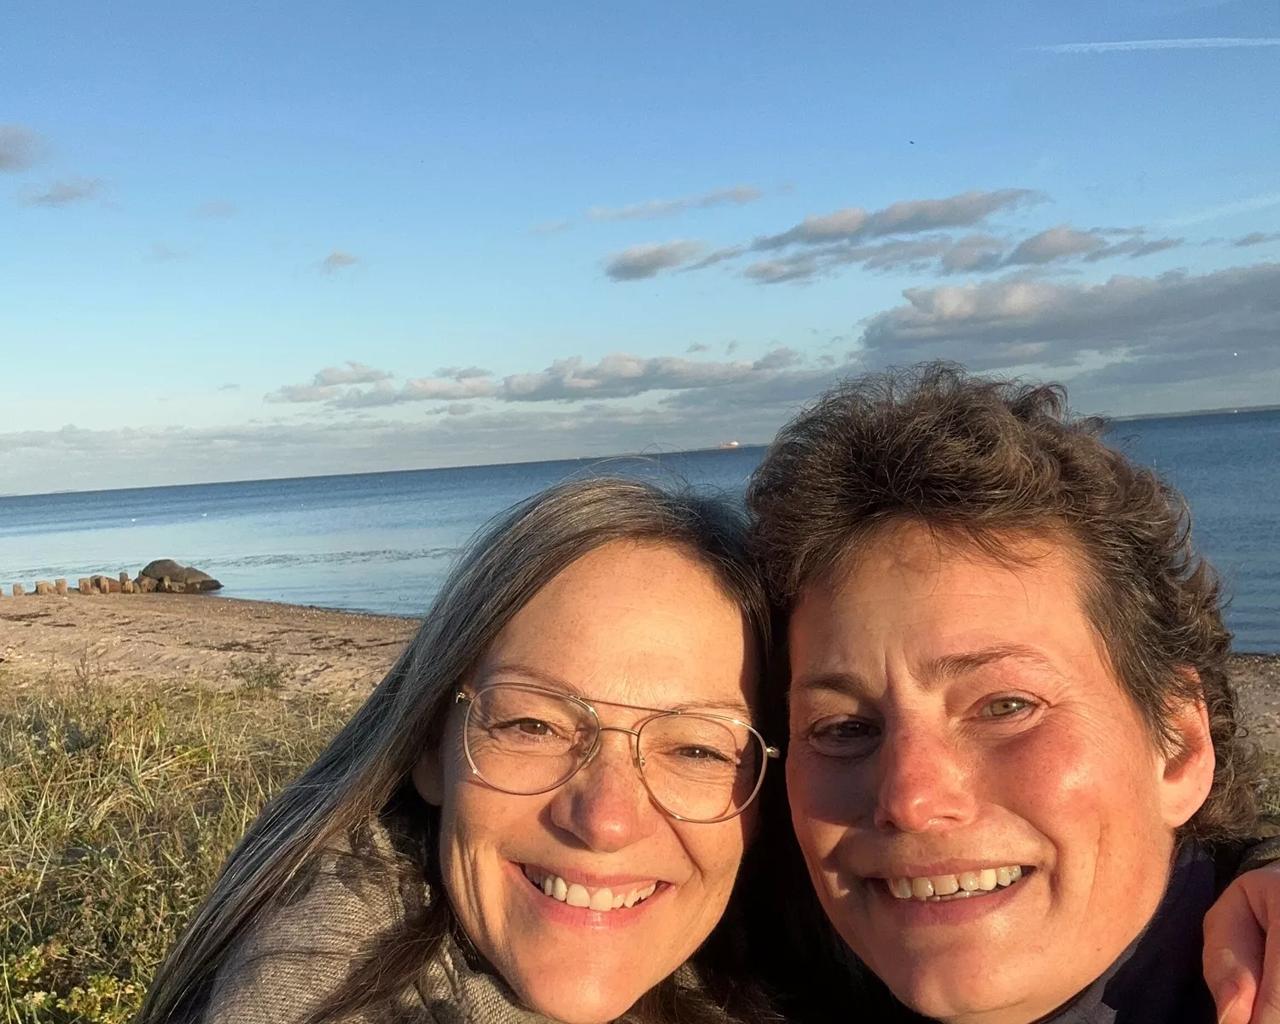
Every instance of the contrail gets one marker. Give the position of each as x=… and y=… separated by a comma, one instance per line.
x=1210, y=43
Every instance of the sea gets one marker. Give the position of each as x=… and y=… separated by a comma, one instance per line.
x=383, y=542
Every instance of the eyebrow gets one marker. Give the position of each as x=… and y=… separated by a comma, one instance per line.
x=736, y=708
x=948, y=666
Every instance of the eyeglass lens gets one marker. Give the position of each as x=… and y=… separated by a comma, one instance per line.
x=525, y=741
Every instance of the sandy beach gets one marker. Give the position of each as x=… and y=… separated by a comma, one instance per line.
x=221, y=641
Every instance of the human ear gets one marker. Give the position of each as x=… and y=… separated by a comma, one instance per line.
x=428, y=777
x=1186, y=775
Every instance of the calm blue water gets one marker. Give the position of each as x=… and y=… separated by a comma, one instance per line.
x=382, y=542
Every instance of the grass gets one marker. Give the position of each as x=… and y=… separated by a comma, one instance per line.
x=258, y=675
x=118, y=805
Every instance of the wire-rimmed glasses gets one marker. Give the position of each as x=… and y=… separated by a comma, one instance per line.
x=698, y=767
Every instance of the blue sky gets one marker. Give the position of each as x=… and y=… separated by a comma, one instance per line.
x=259, y=240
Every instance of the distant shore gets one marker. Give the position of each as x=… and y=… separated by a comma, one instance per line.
x=225, y=641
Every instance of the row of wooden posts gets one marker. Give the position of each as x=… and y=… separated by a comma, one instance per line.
x=95, y=585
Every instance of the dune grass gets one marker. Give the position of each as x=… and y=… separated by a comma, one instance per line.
x=118, y=805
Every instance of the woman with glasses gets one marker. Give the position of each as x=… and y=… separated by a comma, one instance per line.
x=539, y=814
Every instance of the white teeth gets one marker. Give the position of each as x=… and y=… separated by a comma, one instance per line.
x=945, y=885
x=967, y=883
x=601, y=899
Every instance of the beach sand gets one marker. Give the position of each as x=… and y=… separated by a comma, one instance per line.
x=216, y=640
x=224, y=642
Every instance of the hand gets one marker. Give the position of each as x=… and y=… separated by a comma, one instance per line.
x=1241, y=958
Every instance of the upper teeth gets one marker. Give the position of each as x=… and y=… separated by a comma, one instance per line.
x=576, y=895
x=966, y=883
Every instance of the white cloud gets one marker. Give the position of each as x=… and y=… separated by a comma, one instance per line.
x=910, y=216
x=945, y=255
x=64, y=193
x=1132, y=45
x=419, y=389
x=652, y=209
x=20, y=147
x=617, y=376
x=642, y=261
x=350, y=373
x=1056, y=243
x=162, y=252
x=338, y=260
x=1256, y=238
x=1175, y=326
x=551, y=227
x=327, y=384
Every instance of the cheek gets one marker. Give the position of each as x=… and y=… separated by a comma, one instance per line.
x=822, y=790
x=1084, y=784
x=823, y=799
x=717, y=849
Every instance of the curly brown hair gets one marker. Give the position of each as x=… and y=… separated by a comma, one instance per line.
x=987, y=460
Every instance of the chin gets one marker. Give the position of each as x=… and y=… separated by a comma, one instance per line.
x=579, y=1001
x=944, y=998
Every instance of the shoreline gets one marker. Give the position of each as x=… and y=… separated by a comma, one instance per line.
x=224, y=640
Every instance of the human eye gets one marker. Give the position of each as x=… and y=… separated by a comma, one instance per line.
x=843, y=736
x=1007, y=706
x=695, y=752
x=533, y=727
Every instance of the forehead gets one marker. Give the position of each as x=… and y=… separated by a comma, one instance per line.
x=930, y=596
x=638, y=623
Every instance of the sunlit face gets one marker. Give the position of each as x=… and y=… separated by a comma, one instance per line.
x=954, y=725
x=635, y=624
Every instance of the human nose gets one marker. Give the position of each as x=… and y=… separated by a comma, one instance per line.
x=605, y=805
x=924, y=783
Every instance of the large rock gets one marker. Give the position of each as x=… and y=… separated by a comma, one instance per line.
x=192, y=579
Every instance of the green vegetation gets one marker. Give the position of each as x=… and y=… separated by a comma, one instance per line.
x=118, y=804
x=261, y=674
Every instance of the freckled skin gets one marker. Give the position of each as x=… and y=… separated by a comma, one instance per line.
x=639, y=624
x=1069, y=784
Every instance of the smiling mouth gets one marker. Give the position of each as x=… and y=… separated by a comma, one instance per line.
x=599, y=898
x=962, y=886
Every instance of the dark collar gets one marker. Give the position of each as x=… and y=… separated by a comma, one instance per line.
x=1158, y=979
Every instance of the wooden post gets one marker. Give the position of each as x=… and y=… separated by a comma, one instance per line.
x=60, y=587
x=18, y=590
x=86, y=585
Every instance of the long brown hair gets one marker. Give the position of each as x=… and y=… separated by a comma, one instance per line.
x=365, y=770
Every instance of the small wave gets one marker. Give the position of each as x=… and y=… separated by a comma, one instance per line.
x=286, y=559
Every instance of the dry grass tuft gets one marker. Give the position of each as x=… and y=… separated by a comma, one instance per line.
x=117, y=807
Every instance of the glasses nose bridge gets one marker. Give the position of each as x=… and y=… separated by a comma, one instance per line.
x=635, y=747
